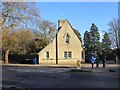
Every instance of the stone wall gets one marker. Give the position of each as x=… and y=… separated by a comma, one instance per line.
x=74, y=47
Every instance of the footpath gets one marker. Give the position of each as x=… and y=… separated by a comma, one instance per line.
x=84, y=67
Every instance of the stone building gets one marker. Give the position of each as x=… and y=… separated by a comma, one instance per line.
x=66, y=47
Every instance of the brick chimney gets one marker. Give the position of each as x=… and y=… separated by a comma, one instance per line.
x=60, y=23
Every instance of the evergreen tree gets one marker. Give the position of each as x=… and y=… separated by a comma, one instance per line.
x=78, y=35
x=95, y=36
x=87, y=42
x=106, y=42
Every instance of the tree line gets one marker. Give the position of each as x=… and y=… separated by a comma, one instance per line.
x=110, y=41
x=23, y=30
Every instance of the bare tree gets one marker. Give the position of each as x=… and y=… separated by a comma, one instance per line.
x=44, y=36
x=48, y=29
x=17, y=16
x=114, y=31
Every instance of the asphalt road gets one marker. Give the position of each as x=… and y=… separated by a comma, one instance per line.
x=39, y=77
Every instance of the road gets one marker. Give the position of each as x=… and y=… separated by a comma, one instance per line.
x=39, y=77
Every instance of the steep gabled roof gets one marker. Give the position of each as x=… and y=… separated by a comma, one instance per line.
x=75, y=31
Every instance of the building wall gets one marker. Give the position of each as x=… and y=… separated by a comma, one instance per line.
x=74, y=47
x=52, y=52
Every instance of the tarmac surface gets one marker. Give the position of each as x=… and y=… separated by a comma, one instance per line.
x=59, y=76
x=85, y=66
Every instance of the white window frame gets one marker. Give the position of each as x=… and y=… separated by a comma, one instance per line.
x=65, y=54
x=69, y=54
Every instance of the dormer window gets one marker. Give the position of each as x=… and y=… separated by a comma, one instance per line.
x=67, y=39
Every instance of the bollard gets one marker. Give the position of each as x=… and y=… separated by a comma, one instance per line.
x=78, y=64
x=34, y=60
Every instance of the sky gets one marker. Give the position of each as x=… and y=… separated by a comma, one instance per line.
x=81, y=15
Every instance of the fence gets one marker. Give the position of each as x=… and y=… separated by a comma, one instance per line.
x=15, y=58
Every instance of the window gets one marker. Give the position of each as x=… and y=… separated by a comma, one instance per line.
x=69, y=54
x=65, y=54
x=82, y=54
x=47, y=54
x=67, y=39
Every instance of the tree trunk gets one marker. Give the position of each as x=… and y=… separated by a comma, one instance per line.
x=6, y=56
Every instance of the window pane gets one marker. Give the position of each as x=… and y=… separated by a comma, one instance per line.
x=69, y=55
x=47, y=54
x=65, y=54
x=67, y=39
x=82, y=54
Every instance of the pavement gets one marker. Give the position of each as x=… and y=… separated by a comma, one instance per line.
x=50, y=76
x=84, y=66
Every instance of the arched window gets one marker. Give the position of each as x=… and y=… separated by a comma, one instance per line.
x=67, y=39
